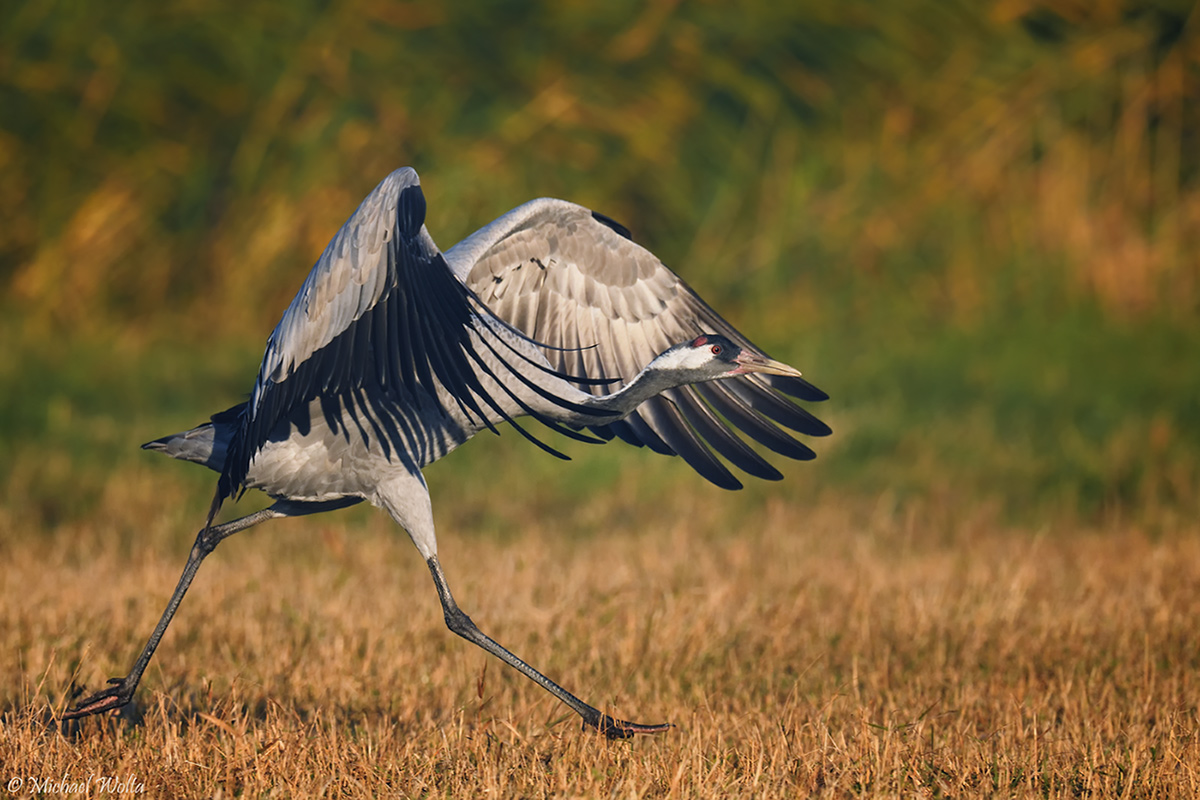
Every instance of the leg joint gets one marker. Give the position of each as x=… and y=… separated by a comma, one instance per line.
x=458, y=622
x=207, y=540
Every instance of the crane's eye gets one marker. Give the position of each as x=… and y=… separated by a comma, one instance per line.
x=716, y=349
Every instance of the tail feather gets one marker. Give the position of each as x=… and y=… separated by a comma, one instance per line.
x=207, y=444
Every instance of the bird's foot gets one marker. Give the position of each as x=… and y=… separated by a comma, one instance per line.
x=620, y=729
x=114, y=697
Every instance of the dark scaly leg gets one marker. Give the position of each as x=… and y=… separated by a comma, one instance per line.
x=122, y=689
x=461, y=624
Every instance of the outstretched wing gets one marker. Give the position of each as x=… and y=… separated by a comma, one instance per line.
x=574, y=280
x=380, y=324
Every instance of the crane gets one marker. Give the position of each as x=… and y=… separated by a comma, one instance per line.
x=393, y=354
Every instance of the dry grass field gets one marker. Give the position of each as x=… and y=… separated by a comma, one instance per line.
x=801, y=649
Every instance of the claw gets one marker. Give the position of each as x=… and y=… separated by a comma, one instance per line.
x=615, y=728
x=114, y=697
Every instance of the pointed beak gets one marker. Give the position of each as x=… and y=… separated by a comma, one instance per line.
x=752, y=362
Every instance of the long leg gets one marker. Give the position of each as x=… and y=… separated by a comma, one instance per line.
x=460, y=623
x=121, y=692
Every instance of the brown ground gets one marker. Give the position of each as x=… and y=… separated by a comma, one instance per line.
x=808, y=652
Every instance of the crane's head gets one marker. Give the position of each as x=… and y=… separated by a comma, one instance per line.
x=710, y=356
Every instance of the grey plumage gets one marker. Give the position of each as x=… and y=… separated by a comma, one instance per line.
x=392, y=355
x=566, y=278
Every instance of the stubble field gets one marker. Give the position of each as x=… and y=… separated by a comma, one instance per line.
x=801, y=648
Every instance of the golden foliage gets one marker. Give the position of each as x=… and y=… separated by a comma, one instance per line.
x=151, y=165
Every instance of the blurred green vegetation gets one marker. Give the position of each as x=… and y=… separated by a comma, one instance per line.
x=976, y=224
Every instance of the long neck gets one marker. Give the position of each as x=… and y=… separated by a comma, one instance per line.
x=648, y=383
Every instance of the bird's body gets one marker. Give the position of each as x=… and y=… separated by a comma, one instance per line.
x=393, y=354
